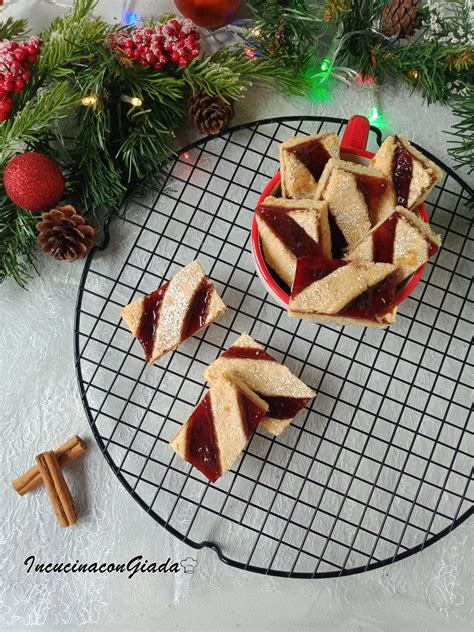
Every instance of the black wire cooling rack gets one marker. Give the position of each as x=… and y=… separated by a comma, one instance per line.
x=377, y=469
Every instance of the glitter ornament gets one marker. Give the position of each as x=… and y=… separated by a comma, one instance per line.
x=209, y=13
x=175, y=42
x=33, y=181
x=16, y=59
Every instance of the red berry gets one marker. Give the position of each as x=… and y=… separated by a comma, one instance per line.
x=143, y=62
x=182, y=35
x=19, y=85
x=183, y=61
x=9, y=85
x=31, y=59
x=26, y=76
x=32, y=49
x=6, y=105
x=3, y=116
x=197, y=35
x=20, y=54
x=175, y=56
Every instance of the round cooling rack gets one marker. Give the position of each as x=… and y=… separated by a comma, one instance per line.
x=377, y=469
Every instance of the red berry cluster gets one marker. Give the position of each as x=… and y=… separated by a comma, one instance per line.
x=16, y=59
x=176, y=41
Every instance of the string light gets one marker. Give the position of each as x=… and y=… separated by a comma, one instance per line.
x=135, y=101
x=186, y=155
x=374, y=114
x=414, y=74
x=131, y=18
x=326, y=65
x=250, y=52
x=89, y=100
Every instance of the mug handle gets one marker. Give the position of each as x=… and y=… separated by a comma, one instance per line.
x=356, y=134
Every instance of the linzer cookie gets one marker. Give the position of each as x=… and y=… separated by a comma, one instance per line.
x=402, y=239
x=220, y=427
x=284, y=393
x=175, y=311
x=290, y=229
x=411, y=175
x=344, y=292
x=302, y=161
x=353, y=193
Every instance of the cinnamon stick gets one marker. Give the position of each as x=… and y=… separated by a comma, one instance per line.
x=65, y=454
x=57, y=488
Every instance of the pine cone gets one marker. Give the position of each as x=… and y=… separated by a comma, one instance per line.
x=64, y=233
x=401, y=17
x=209, y=115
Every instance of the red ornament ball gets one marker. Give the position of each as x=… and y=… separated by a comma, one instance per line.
x=33, y=181
x=209, y=13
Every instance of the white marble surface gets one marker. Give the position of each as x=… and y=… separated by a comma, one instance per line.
x=41, y=406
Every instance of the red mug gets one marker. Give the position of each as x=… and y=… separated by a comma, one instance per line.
x=353, y=145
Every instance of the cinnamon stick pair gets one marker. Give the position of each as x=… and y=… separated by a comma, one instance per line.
x=48, y=471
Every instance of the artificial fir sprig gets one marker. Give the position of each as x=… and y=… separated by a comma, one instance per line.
x=462, y=149
x=288, y=30
x=13, y=29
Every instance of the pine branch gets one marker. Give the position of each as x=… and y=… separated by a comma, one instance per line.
x=35, y=119
x=72, y=38
x=13, y=29
x=146, y=146
x=272, y=72
x=288, y=29
x=462, y=149
x=17, y=242
x=96, y=178
x=157, y=86
x=216, y=79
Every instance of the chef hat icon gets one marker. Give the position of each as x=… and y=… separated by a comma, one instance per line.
x=188, y=564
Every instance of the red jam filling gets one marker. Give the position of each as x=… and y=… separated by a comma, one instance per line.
x=149, y=321
x=402, y=169
x=312, y=269
x=284, y=407
x=372, y=189
x=250, y=413
x=202, y=450
x=247, y=353
x=290, y=232
x=313, y=155
x=384, y=239
x=375, y=302
x=199, y=310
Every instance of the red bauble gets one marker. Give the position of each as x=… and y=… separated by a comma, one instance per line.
x=33, y=181
x=209, y=13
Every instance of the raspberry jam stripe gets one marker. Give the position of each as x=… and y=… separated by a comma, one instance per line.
x=202, y=449
x=247, y=353
x=313, y=155
x=290, y=232
x=198, y=312
x=146, y=333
